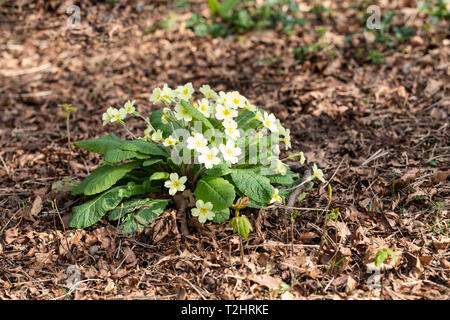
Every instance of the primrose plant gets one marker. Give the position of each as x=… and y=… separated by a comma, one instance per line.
x=212, y=150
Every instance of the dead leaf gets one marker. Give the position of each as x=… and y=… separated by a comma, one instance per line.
x=266, y=280
x=433, y=86
x=130, y=257
x=11, y=235
x=425, y=260
x=441, y=244
x=440, y=176
x=35, y=209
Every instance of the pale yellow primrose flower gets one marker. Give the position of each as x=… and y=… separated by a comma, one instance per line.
x=317, y=173
x=170, y=142
x=230, y=152
x=276, y=197
x=185, y=92
x=235, y=100
x=175, y=183
x=225, y=112
x=281, y=168
x=108, y=115
x=302, y=157
x=222, y=98
x=203, y=211
x=157, y=136
x=269, y=122
x=287, y=139
x=204, y=107
x=198, y=143
x=129, y=106
x=156, y=96
x=118, y=115
x=208, y=157
x=167, y=94
x=182, y=114
x=208, y=92
x=231, y=129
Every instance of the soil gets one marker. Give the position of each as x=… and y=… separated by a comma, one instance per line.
x=380, y=133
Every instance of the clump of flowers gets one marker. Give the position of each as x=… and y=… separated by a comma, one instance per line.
x=219, y=146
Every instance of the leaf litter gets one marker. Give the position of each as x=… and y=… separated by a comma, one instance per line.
x=391, y=121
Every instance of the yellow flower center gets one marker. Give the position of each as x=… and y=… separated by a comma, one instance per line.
x=186, y=91
x=276, y=197
x=129, y=109
x=176, y=184
x=117, y=116
x=203, y=211
x=203, y=108
x=184, y=112
x=210, y=156
x=267, y=123
x=229, y=151
x=226, y=112
x=198, y=144
x=235, y=101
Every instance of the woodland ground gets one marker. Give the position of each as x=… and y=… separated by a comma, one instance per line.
x=379, y=132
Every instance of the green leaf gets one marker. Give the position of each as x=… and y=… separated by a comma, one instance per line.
x=244, y=225
x=155, y=120
x=92, y=211
x=380, y=257
x=244, y=117
x=216, y=190
x=129, y=225
x=103, y=178
x=150, y=162
x=159, y=176
x=145, y=147
x=118, y=155
x=213, y=6
x=226, y=6
x=218, y=170
x=253, y=185
x=100, y=145
x=148, y=214
x=221, y=215
x=128, y=206
x=197, y=115
x=152, y=209
x=288, y=178
x=383, y=254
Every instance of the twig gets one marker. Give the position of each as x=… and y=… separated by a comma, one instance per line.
x=374, y=156
x=4, y=165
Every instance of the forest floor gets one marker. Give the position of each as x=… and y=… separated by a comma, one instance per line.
x=380, y=132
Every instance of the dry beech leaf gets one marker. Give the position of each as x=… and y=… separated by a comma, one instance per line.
x=266, y=280
x=11, y=235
